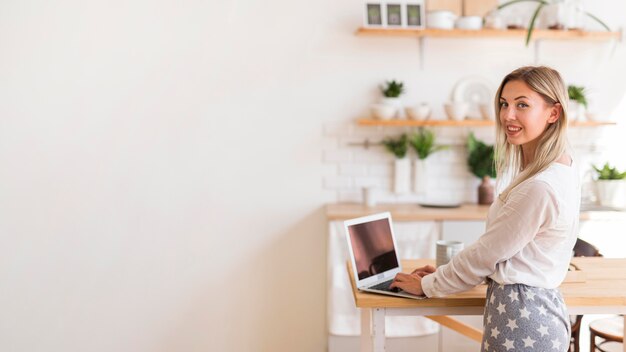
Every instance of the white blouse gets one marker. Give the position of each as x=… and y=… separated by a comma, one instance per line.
x=528, y=240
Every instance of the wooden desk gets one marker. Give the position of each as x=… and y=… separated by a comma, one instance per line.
x=603, y=292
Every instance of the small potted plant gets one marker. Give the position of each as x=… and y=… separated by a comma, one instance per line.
x=577, y=102
x=392, y=90
x=610, y=186
x=423, y=142
x=402, y=173
x=481, y=163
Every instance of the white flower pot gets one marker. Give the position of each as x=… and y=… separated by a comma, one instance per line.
x=396, y=103
x=420, y=176
x=611, y=193
x=402, y=176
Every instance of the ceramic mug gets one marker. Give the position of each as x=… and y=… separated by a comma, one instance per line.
x=446, y=250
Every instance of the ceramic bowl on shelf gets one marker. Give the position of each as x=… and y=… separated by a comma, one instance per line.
x=456, y=111
x=418, y=112
x=440, y=19
x=469, y=22
x=383, y=111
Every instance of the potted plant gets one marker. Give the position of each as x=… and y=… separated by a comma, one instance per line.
x=402, y=173
x=610, y=186
x=392, y=90
x=577, y=102
x=556, y=7
x=423, y=142
x=481, y=163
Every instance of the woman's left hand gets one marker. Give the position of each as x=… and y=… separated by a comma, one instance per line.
x=411, y=283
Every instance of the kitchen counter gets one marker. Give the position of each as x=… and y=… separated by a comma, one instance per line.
x=466, y=212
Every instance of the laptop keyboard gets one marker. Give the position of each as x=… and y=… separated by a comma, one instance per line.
x=384, y=286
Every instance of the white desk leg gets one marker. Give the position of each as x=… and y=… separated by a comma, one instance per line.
x=378, y=329
x=366, y=335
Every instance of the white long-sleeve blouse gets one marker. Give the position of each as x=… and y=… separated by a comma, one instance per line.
x=528, y=239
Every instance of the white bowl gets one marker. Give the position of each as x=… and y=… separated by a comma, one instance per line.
x=440, y=19
x=382, y=111
x=469, y=22
x=456, y=111
x=487, y=112
x=419, y=112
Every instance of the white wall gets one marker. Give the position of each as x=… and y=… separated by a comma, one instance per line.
x=161, y=162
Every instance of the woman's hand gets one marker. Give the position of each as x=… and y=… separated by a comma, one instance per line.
x=425, y=270
x=411, y=283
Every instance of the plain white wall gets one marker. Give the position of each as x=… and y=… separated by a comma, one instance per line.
x=161, y=169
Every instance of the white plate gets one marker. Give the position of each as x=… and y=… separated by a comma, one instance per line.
x=475, y=91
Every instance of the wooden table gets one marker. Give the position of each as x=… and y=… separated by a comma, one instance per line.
x=603, y=292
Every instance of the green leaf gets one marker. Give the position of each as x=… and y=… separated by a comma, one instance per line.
x=397, y=146
x=531, y=26
x=423, y=142
x=480, y=158
x=598, y=20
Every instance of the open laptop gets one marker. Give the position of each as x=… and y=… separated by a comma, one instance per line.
x=373, y=254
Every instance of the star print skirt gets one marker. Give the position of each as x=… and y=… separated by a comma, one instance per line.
x=524, y=318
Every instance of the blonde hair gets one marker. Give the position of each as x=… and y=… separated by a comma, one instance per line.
x=552, y=143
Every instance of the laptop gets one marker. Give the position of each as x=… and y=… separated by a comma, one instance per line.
x=373, y=254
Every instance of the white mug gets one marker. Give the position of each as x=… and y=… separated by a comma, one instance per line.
x=446, y=250
x=369, y=196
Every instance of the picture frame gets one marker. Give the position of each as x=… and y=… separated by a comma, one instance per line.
x=415, y=14
x=374, y=14
x=394, y=14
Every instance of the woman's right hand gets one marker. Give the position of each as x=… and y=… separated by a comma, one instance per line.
x=425, y=270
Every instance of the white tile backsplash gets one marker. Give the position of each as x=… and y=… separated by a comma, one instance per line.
x=357, y=167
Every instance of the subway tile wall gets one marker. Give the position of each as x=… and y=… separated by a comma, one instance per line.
x=349, y=166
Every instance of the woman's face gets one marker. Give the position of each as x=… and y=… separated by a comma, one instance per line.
x=524, y=114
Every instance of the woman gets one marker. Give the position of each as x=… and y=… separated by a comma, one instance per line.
x=531, y=228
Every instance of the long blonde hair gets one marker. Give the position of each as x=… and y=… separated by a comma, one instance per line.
x=551, y=144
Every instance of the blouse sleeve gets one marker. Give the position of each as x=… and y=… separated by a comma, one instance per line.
x=530, y=208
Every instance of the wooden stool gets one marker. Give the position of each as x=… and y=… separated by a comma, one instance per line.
x=609, y=329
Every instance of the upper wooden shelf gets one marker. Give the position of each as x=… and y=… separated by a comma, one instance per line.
x=463, y=123
x=489, y=33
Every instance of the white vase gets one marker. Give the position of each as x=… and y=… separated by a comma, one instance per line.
x=420, y=176
x=611, y=193
x=402, y=176
x=396, y=103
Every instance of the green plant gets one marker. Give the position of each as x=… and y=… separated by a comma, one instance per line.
x=481, y=158
x=609, y=173
x=397, y=146
x=577, y=93
x=423, y=142
x=392, y=89
x=543, y=3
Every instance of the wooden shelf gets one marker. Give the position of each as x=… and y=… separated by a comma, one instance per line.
x=489, y=33
x=463, y=123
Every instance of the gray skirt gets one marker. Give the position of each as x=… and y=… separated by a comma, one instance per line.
x=524, y=318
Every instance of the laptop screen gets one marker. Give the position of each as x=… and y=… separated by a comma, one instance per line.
x=372, y=245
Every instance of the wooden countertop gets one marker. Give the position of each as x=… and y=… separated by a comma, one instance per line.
x=466, y=212
x=605, y=286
